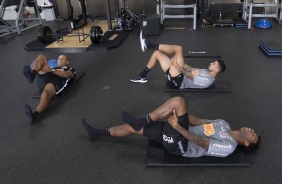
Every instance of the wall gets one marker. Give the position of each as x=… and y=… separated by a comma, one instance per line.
x=96, y=7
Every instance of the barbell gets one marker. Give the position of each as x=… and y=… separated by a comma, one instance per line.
x=45, y=34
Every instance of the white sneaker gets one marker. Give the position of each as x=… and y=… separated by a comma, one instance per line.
x=142, y=41
x=138, y=79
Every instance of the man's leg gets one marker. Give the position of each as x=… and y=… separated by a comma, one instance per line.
x=162, y=112
x=46, y=96
x=116, y=131
x=157, y=57
x=40, y=66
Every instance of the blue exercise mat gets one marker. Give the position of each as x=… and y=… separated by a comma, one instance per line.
x=271, y=46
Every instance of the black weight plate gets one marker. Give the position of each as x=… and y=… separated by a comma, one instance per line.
x=96, y=34
x=44, y=34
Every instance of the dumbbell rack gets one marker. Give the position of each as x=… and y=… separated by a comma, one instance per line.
x=248, y=6
x=161, y=7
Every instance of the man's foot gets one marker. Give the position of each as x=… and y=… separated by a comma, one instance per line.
x=30, y=115
x=136, y=123
x=139, y=79
x=127, y=118
x=28, y=74
x=143, y=42
x=89, y=130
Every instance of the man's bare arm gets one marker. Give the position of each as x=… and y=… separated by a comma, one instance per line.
x=186, y=72
x=188, y=68
x=200, y=141
x=193, y=120
x=64, y=74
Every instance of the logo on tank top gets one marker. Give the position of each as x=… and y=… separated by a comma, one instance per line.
x=168, y=139
x=223, y=135
x=195, y=72
x=209, y=130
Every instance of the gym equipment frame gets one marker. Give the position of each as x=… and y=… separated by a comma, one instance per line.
x=162, y=6
x=20, y=20
x=248, y=6
x=124, y=18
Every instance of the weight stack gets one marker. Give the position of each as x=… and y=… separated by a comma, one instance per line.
x=150, y=25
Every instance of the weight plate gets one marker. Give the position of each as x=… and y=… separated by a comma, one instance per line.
x=96, y=34
x=44, y=34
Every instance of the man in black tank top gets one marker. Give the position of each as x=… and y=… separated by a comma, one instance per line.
x=50, y=81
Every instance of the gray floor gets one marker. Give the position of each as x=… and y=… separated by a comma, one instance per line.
x=56, y=150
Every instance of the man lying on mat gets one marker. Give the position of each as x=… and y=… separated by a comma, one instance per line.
x=183, y=135
x=51, y=81
x=179, y=75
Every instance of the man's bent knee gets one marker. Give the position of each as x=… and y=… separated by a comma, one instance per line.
x=178, y=49
x=178, y=102
x=48, y=92
x=46, y=95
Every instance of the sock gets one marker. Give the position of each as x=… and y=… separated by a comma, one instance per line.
x=151, y=45
x=29, y=75
x=31, y=116
x=94, y=133
x=136, y=123
x=145, y=72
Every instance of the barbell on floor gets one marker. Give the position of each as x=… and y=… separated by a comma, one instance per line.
x=45, y=34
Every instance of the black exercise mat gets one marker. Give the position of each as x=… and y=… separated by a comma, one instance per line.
x=239, y=22
x=67, y=50
x=218, y=86
x=35, y=45
x=157, y=156
x=38, y=93
x=110, y=44
x=271, y=46
x=201, y=53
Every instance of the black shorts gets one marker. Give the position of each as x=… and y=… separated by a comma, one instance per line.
x=154, y=131
x=174, y=82
x=162, y=132
x=59, y=83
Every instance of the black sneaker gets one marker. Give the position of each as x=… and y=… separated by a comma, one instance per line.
x=139, y=79
x=143, y=42
x=90, y=131
x=28, y=74
x=30, y=115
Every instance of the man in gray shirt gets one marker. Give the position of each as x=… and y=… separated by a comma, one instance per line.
x=179, y=75
x=183, y=135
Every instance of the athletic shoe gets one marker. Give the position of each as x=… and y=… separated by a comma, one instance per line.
x=30, y=115
x=28, y=74
x=139, y=79
x=143, y=42
x=90, y=131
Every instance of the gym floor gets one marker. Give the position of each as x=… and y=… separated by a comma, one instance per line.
x=56, y=149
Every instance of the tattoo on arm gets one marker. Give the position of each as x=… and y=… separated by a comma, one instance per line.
x=200, y=141
x=188, y=68
x=186, y=73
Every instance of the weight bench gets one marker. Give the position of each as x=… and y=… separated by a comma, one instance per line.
x=157, y=156
x=271, y=47
x=37, y=95
x=217, y=86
